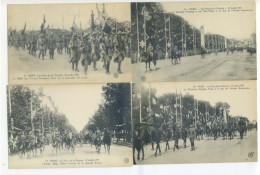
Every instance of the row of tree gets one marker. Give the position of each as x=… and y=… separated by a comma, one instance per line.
x=114, y=113
x=175, y=108
x=166, y=31
x=26, y=112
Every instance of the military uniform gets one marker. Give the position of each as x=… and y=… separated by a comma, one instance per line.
x=85, y=50
x=74, y=46
x=52, y=46
x=60, y=44
x=119, y=53
x=41, y=46
x=95, y=56
x=192, y=136
x=110, y=51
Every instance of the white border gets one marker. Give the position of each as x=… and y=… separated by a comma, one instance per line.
x=191, y=169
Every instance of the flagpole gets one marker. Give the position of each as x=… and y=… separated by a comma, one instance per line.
x=149, y=98
x=181, y=107
x=32, y=112
x=10, y=112
x=140, y=103
x=137, y=32
x=144, y=29
x=176, y=107
x=165, y=36
x=170, y=38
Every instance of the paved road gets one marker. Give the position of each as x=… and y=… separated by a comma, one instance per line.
x=119, y=155
x=236, y=66
x=207, y=151
x=20, y=63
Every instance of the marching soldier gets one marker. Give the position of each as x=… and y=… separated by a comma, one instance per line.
x=74, y=46
x=95, y=56
x=60, y=44
x=150, y=53
x=109, y=50
x=120, y=50
x=41, y=46
x=34, y=45
x=52, y=46
x=85, y=50
x=192, y=136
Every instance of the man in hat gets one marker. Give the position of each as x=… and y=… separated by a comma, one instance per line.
x=41, y=46
x=95, y=56
x=74, y=46
x=60, y=44
x=192, y=136
x=85, y=50
x=151, y=54
x=52, y=46
x=119, y=53
x=109, y=50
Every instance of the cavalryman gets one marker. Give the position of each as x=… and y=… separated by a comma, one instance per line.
x=74, y=46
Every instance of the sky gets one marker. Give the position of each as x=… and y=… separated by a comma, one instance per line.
x=77, y=102
x=242, y=102
x=54, y=14
x=233, y=25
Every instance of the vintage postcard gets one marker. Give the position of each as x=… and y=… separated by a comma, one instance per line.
x=51, y=126
x=193, y=41
x=199, y=122
x=69, y=43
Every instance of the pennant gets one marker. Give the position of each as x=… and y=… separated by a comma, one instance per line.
x=44, y=21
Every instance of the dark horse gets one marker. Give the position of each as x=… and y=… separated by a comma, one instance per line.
x=179, y=133
x=138, y=144
x=107, y=141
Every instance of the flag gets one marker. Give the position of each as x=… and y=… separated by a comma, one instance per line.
x=146, y=14
x=44, y=21
x=24, y=26
x=154, y=101
x=167, y=19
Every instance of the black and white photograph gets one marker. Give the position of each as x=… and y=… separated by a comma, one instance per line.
x=69, y=43
x=51, y=126
x=193, y=41
x=183, y=123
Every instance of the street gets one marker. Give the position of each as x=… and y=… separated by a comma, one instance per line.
x=22, y=63
x=236, y=66
x=85, y=156
x=207, y=151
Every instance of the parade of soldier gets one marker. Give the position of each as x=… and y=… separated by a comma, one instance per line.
x=93, y=42
x=41, y=125
x=176, y=41
x=170, y=120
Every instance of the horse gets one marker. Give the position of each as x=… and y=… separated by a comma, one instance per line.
x=56, y=143
x=97, y=143
x=138, y=144
x=70, y=142
x=107, y=141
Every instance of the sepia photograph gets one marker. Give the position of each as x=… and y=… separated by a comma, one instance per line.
x=51, y=126
x=183, y=123
x=193, y=41
x=69, y=43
